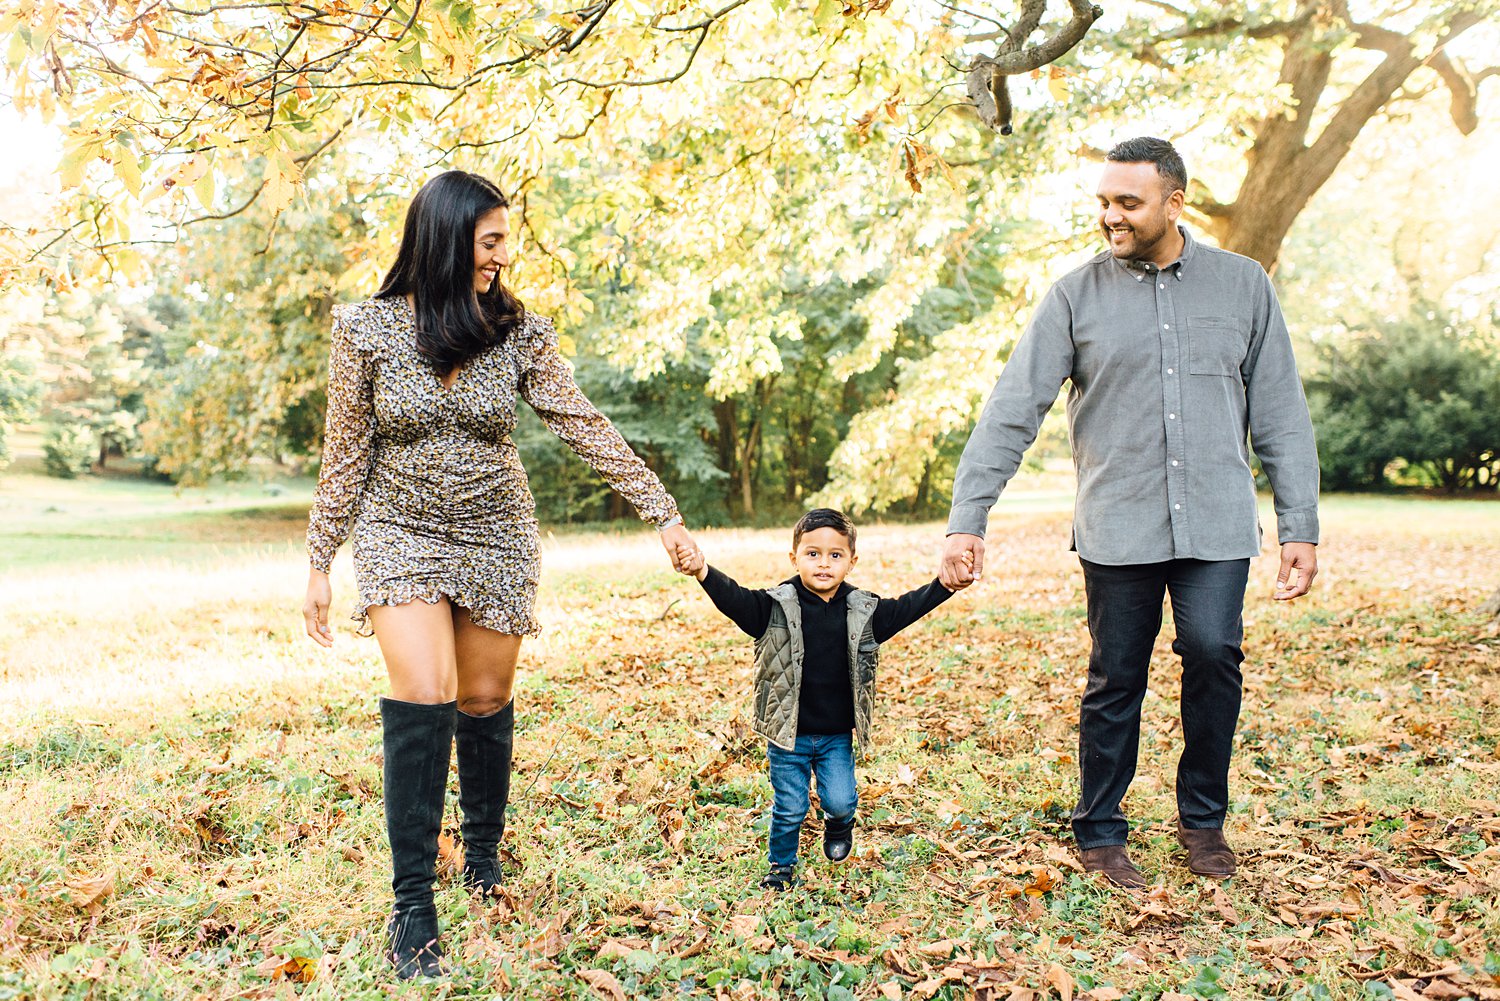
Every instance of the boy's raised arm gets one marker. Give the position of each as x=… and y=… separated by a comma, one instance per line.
x=894, y=614
x=749, y=609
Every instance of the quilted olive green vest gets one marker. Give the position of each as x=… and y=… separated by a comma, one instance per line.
x=778, y=666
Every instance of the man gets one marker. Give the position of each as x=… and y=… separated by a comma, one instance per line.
x=1174, y=351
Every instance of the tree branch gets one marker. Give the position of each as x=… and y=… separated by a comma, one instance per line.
x=582, y=34
x=985, y=82
x=1464, y=88
x=1049, y=50
x=592, y=85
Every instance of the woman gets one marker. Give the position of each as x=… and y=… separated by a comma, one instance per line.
x=418, y=462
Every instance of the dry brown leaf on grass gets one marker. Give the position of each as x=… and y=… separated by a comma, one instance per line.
x=1224, y=905
x=549, y=941
x=614, y=948
x=448, y=860
x=296, y=969
x=1104, y=994
x=670, y=822
x=1158, y=906
x=1060, y=979
x=941, y=949
x=1327, y=909
x=1043, y=881
x=694, y=948
x=891, y=991
x=744, y=925
x=88, y=892
x=605, y=983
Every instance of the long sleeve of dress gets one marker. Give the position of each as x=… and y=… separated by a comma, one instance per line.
x=348, y=437
x=548, y=386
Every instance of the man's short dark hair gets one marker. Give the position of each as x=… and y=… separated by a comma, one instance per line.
x=823, y=517
x=1149, y=149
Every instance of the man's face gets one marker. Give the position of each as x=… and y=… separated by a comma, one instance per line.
x=1137, y=215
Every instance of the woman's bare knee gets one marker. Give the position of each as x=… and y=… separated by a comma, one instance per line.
x=484, y=705
x=422, y=695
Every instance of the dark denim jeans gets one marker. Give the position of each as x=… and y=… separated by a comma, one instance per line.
x=1125, y=614
x=831, y=758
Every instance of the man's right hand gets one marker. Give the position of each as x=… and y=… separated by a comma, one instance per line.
x=963, y=561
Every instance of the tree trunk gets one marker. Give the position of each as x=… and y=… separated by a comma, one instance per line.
x=1491, y=607
x=750, y=450
x=727, y=417
x=1284, y=169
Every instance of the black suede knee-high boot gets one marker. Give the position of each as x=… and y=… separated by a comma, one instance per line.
x=484, y=752
x=418, y=743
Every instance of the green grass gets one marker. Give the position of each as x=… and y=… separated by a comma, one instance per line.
x=109, y=520
x=191, y=789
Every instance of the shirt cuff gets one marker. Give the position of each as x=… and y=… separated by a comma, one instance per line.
x=968, y=519
x=662, y=526
x=1297, y=526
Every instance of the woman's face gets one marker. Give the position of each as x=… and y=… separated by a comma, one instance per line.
x=491, y=249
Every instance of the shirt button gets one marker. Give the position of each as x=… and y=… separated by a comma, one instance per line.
x=1171, y=417
x=1176, y=507
x=1166, y=326
x=1161, y=286
x=1169, y=371
x=1174, y=462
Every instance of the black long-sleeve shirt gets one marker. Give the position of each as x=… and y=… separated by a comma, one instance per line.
x=826, y=703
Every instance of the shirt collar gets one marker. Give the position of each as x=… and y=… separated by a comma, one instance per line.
x=802, y=590
x=1139, y=269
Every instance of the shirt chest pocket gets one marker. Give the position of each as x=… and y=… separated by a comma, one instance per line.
x=1216, y=346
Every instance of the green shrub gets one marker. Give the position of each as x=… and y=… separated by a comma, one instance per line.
x=1422, y=393
x=19, y=392
x=69, y=450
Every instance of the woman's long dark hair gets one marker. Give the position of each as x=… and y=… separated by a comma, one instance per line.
x=436, y=265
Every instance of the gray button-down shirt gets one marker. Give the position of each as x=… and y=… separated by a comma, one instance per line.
x=1169, y=370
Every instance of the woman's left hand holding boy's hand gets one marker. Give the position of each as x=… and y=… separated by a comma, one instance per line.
x=686, y=557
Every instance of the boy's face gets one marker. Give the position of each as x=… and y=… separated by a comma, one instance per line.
x=823, y=559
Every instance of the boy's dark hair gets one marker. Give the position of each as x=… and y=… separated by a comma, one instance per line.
x=1149, y=149
x=823, y=517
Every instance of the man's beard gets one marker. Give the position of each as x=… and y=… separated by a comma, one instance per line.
x=1142, y=243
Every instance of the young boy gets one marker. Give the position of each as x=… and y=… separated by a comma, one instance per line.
x=816, y=647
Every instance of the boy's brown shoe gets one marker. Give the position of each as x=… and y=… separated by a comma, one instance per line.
x=1114, y=863
x=1208, y=853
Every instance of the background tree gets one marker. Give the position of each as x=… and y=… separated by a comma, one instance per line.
x=793, y=260
x=19, y=393
x=1423, y=391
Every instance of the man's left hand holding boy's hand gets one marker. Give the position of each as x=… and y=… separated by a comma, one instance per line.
x=963, y=561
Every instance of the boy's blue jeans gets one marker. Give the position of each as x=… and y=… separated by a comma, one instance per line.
x=831, y=758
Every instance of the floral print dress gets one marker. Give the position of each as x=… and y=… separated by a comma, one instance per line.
x=427, y=479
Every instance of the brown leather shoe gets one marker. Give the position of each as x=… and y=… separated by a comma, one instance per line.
x=1208, y=853
x=1114, y=863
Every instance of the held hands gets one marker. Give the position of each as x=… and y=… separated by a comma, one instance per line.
x=684, y=553
x=1299, y=565
x=963, y=561
x=315, y=608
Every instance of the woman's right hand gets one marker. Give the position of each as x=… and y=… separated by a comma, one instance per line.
x=315, y=607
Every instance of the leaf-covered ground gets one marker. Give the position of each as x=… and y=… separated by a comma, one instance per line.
x=190, y=789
